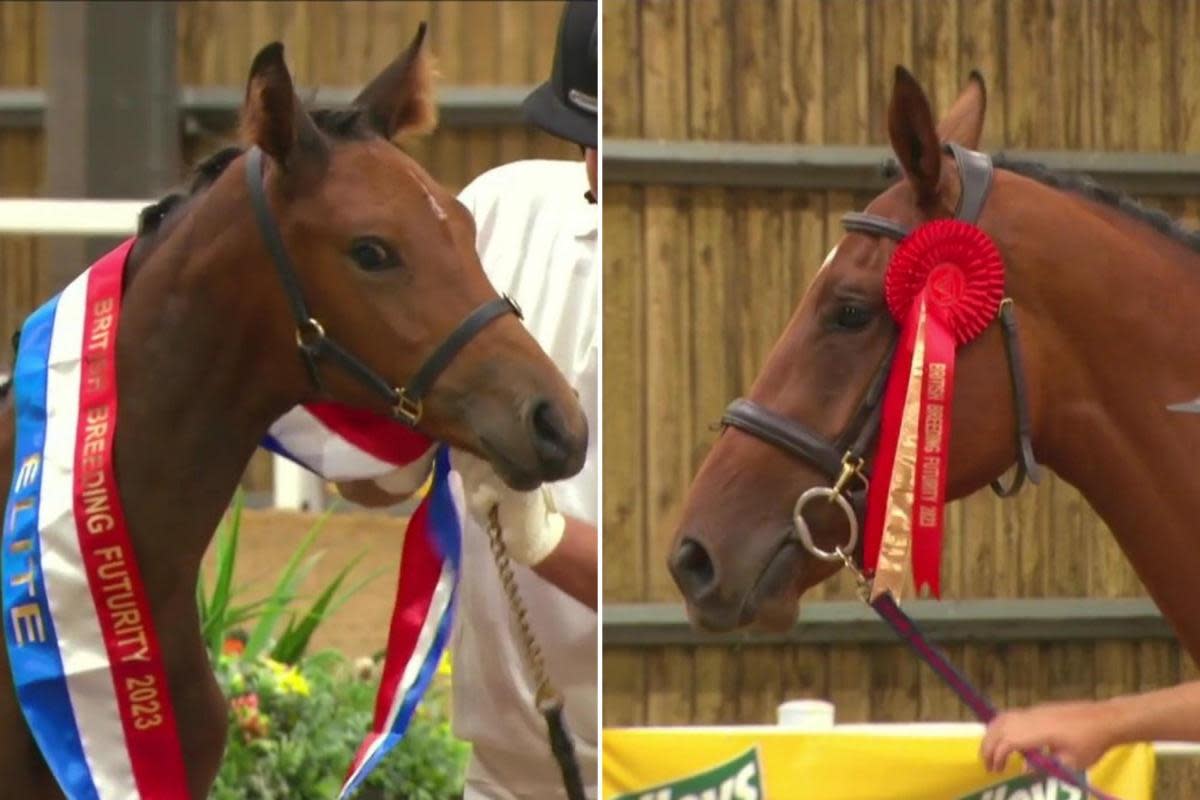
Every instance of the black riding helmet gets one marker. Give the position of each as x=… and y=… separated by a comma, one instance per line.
x=565, y=106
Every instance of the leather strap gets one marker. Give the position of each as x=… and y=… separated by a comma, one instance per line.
x=440, y=358
x=279, y=257
x=788, y=435
x=1027, y=465
x=975, y=177
x=873, y=225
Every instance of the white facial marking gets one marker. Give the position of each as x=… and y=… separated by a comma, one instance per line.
x=828, y=259
x=433, y=203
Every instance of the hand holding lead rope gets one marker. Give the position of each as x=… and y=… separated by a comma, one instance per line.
x=523, y=527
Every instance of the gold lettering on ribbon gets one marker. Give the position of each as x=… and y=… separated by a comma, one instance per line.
x=895, y=550
x=28, y=472
x=27, y=624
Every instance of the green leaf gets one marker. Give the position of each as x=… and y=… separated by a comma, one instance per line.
x=285, y=590
x=294, y=641
x=227, y=546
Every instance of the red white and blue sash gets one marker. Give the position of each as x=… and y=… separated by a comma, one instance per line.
x=342, y=443
x=81, y=645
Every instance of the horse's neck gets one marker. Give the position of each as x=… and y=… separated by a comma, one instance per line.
x=192, y=360
x=1121, y=303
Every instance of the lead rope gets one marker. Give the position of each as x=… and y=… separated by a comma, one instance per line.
x=904, y=627
x=548, y=698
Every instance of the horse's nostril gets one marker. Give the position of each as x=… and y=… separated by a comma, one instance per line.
x=550, y=436
x=693, y=569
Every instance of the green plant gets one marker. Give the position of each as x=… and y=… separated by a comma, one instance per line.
x=296, y=719
x=293, y=730
x=223, y=618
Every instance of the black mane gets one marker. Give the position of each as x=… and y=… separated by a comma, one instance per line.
x=345, y=125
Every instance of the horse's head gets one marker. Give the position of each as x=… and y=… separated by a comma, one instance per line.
x=736, y=556
x=385, y=261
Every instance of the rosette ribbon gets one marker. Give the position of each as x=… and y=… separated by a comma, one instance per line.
x=943, y=286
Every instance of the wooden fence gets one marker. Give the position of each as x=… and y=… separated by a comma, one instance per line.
x=699, y=282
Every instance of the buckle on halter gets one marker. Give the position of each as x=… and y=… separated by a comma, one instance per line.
x=851, y=468
x=513, y=305
x=309, y=333
x=406, y=408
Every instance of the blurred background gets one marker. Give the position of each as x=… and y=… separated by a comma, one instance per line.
x=116, y=99
x=736, y=135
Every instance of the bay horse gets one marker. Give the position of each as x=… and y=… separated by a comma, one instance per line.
x=385, y=259
x=1105, y=294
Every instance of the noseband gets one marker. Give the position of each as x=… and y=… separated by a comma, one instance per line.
x=842, y=459
x=314, y=344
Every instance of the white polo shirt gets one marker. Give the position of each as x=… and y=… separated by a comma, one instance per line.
x=537, y=239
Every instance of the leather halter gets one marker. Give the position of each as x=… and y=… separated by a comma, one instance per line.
x=314, y=344
x=842, y=459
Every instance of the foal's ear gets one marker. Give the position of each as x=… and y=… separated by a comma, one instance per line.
x=963, y=123
x=273, y=116
x=910, y=127
x=400, y=99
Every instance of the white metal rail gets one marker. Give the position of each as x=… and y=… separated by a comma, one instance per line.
x=292, y=486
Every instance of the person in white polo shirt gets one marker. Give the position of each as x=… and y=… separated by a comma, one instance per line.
x=537, y=236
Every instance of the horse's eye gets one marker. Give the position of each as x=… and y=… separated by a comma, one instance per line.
x=852, y=318
x=373, y=254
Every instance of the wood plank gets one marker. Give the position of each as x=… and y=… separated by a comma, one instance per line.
x=670, y=686
x=850, y=682
x=801, y=84
x=761, y=683
x=718, y=674
x=844, y=26
x=624, y=702
x=895, y=684
x=624, y=397
x=890, y=34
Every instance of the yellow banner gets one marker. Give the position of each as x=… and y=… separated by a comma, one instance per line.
x=767, y=763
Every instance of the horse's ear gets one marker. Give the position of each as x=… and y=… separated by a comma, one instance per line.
x=963, y=123
x=273, y=116
x=400, y=98
x=910, y=127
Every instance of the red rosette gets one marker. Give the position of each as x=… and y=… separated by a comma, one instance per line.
x=962, y=268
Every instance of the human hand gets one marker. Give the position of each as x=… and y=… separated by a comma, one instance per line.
x=1075, y=733
x=531, y=528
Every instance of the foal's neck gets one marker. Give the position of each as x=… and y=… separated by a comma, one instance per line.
x=196, y=348
x=1119, y=315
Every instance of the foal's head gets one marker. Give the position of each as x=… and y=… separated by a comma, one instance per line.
x=386, y=262
x=734, y=555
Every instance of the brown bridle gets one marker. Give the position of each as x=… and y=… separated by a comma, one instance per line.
x=843, y=459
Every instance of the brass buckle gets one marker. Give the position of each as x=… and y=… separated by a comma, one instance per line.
x=406, y=408
x=851, y=468
x=308, y=333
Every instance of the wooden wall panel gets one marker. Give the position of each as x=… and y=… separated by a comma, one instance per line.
x=726, y=267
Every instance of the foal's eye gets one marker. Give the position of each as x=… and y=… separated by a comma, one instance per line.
x=851, y=317
x=373, y=254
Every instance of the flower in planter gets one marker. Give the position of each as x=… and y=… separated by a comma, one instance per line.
x=250, y=720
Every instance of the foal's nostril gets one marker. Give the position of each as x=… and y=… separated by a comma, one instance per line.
x=693, y=569
x=550, y=435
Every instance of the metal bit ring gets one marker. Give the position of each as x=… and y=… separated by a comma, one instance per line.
x=805, y=535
